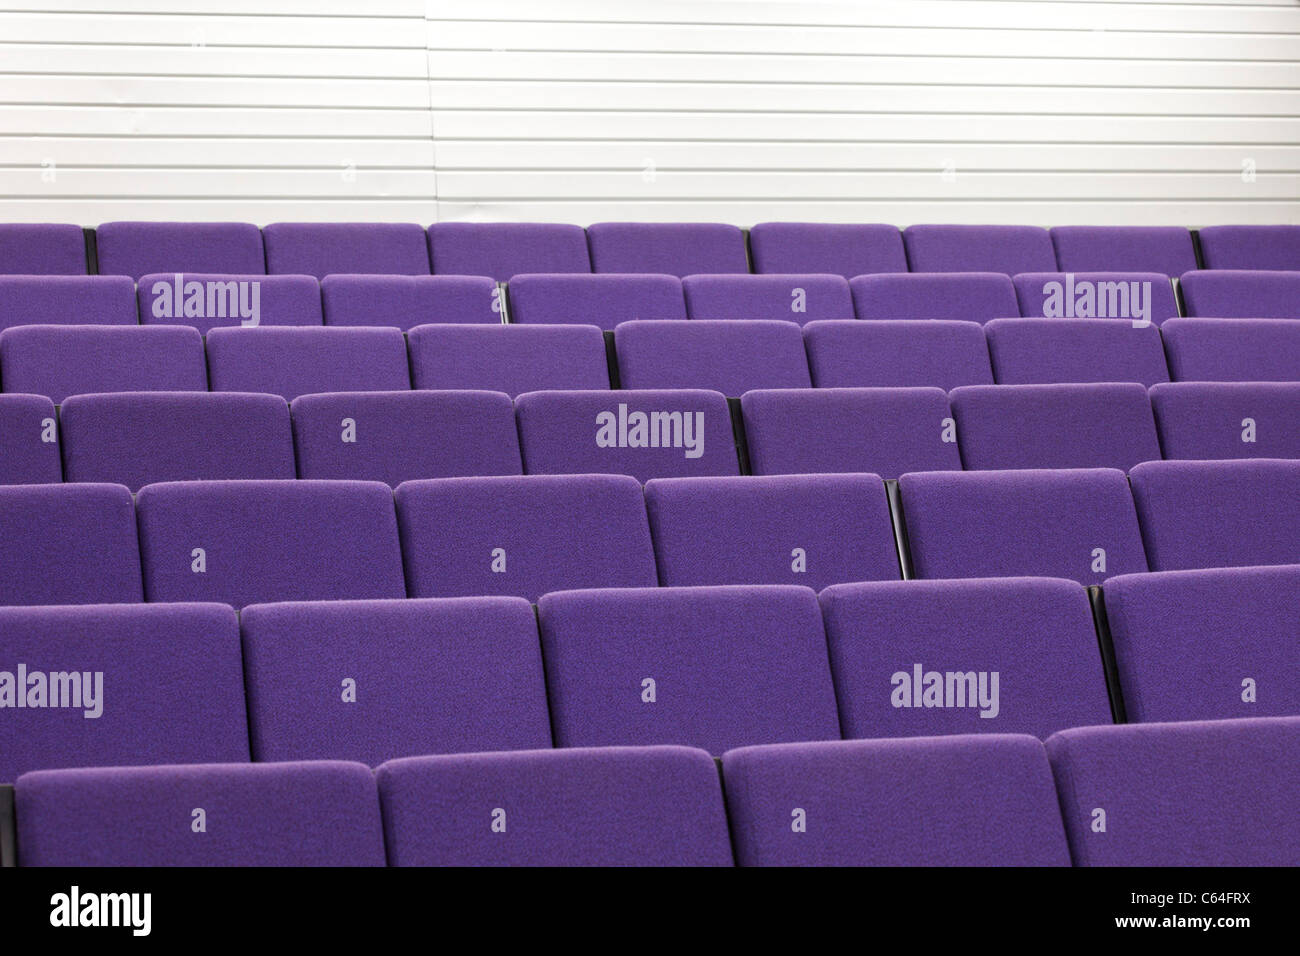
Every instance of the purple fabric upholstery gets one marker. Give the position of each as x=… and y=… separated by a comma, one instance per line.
x=143, y=248
x=646, y=434
x=302, y=361
x=508, y=358
x=398, y=436
x=62, y=360
x=792, y=298
x=68, y=544
x=812, y=530
x=29, y=435
x=1078, y=524
x=263, y=541
x=1210, y=420
x=978, y=800
x=1233, y=350
x=1238, y=294
x=1218, y=514
x=42, y=249
x=992, y=655
x=139, y=438
x=1006, y=249
x=66, y=300
x=209, y=301
x=1135, y=296
x=669, y=248
x=374, y=680
x=1206, y=645
x=713, y=668
x=1050, y=351
x=887, y=431
x=728, y=356
x=1251, y=247
x=524, y=536
x=638, y=806
x=325, y=248
x=286, y=814
x=146, y=684
x=602, y=300
x=408, y=301
x=1163, y=249
x=1055, y=426
x=503, y=250
x=843, y=250
x=1211, y=793
x=962, y=296
x=843, y=354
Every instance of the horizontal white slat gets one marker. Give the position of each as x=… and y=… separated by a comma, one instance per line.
x=212, y=121
x=372, y=8
x=264, y=31
x=213, y=153
x=411, y=93
x=327, y=185
x=234, y=207
x=217, y=61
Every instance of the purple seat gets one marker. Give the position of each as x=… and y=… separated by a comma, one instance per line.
x=639, y=806
x=139, y=438
x=42, y=249
x=1078, y=524
x=1238, y=294
x=1141, y=297
x=29, y=435
x=138, y=249
x=928, y=352
x=983, y=656
x=1218, y=514
x=1006, y=249
x=120, y=685
x=302, y=361
x=1055, y=426
x=325, y=248
x=508, y=358
x=792, y=298
x=1164, y=249
x=1201, y=793
x=374, y=680
x=646, y=434
x=68, y=544
x=1206, y=645
x=975, y=800
x=962, y=296
x=813, y=530
x=66, y=300
x=886, y=431
x=286, y=814
x=253, y=542
x=62, y=360
x=398, y=436
x=713, y=668
x=843, y=250
x=503, y=250
x=209, y=301
x=668, y=248
x=1078, y=351
x=1233, y=350
x=728, y=356
x=524, y=536
x=601, y=300
x=1251, y=247
x=1214, y=420
x=408, y=301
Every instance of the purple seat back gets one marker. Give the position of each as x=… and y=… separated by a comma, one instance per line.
x=209, y=301
x=122, y=685
x=400, y=678
x=29, y=434
x=926, y=352
x=1214, y=420
x=1233, y=350
x=1164, y=249
x=408, y=301
x=42, y=249
x=792, y=298
x=1006, y=249
x=1136, y=296
x=640, y=806
x=508, y=358
x=728, y=356
x=963, y=296
x=1079, y=351
x=325, y=248
x=846, y=250
x=1251, y=247
x=1238, y=294
x=138, y=249
x=66, y=300
x=301, y=361
x=601, y=300
x=503, y=250
x=687, y=666
x=670, y=248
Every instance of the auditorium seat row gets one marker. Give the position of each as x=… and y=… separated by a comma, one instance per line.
x=1207, y=793
x=502, y=250
x=249, y=542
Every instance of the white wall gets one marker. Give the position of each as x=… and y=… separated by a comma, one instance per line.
x=581, y=110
